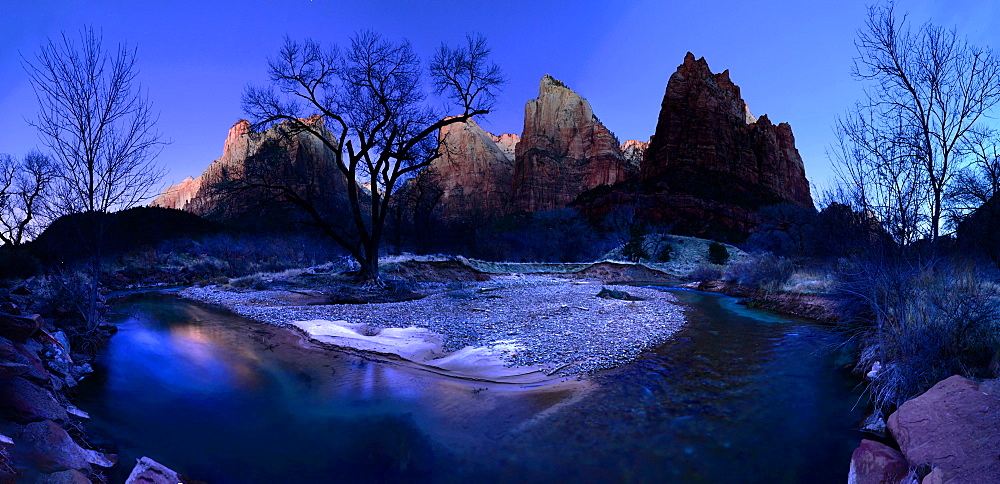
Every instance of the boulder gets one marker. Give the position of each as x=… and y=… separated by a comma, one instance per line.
x=53, y=449
x=955, y=428
x=876, y=463
x=23, y=354
x=9, y=369
x=19, y=328
x=71, y=476
x=23, y=401
x=148, y=471
x=936, y=476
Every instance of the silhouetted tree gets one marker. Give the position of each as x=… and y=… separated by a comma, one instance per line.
x=378, y=120
x=23, y=188
x=100, y=129
x=902, y=144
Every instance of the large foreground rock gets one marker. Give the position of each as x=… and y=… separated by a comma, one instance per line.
x=148, y=471
x=876, y=463
x=19, y=328
x=955, y=428
x=23, y=401
x=71, y=476
x=54, y=450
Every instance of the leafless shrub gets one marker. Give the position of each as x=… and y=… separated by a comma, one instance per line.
x=763, y=271
x=919, y=323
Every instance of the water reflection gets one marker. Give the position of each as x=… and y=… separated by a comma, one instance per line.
x=738, y=396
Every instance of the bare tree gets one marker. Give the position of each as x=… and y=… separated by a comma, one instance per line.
x=928, y=91
x=377, y=120
x=23, y=188
x=100, y=128
x=979, y=181
x=875, y=164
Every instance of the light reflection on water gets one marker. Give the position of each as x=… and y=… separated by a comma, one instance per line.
x=739, y=396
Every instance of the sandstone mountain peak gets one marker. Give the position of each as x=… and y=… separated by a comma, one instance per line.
x=470, y=180
x=705, y=131
x=564, y=150
x=302, y=151
x=549, y=82
x=634, y=151
x=710, y=165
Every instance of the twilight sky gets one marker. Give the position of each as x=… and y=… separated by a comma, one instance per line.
x=791, y=58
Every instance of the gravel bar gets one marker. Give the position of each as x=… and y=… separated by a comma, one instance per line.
x=555, y=323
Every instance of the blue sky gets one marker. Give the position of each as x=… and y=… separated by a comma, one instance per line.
x=792, y=59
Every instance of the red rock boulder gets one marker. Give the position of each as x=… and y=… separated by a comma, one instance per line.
x=953, y=427
x=876, y=463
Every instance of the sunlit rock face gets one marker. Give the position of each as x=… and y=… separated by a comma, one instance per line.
x=469, y=182
x=301, y=158
x=507, y=143
x=705, y=130
x=634, y=151
x=180, y=195
x=564, y=150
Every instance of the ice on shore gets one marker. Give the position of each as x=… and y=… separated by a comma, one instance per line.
x=425, y=348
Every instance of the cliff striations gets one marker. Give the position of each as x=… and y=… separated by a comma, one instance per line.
x=470, y=182
x=711, y=165
x=705, y=131
x=300, y=158
x=564, y=150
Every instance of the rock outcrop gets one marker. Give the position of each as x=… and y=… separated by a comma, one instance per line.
x=179, y=196
x=705, y=132
x=564, y=150
x=469, y=183
x=36, y=369
x=955, y=428
x=507, y=143
x=876, y=463
x=711, y=165
x=299, y=158
x=148, y=471
x=634, y=151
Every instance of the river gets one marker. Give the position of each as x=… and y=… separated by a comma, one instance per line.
x=739, y=395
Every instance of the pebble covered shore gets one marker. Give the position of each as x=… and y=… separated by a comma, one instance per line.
x=554, y=323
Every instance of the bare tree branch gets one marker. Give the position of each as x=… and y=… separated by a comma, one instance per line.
x=378, y=121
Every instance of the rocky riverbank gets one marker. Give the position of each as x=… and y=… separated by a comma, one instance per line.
x=950, y=434
x=42, y=439
x=818, y=307
x=553, y=325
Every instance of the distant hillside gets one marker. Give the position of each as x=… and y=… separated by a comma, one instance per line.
x=69, y=237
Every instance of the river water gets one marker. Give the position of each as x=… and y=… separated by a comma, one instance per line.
x=738, y=396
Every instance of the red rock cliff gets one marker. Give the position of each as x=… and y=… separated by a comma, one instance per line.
x=705, y=132
x=564, y=151
x=303, y=156
x=469, y=182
